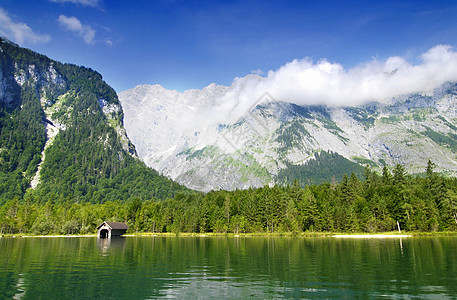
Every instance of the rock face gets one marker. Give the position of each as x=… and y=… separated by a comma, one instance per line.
x=274, y=135
x=62, y=135
x=38, y=74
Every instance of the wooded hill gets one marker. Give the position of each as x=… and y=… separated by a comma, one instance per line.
x=90, y=159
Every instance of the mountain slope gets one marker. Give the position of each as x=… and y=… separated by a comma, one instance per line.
x=62, y=135
x=273, y=137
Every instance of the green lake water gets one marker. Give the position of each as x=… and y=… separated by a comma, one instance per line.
x=227, y=267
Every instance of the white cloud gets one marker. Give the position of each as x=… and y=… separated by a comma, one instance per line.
x=257, y=72
x=19, y=32
x=305, y=82
x=75, y=25
x=92, y=3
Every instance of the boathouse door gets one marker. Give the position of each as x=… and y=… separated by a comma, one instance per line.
x=104, y=233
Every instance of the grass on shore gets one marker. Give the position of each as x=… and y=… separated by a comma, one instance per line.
x=255, y=234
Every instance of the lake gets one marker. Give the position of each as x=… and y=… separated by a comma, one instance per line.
x=227, y=267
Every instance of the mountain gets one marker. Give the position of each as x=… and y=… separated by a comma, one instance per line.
x=277, y=142
x=62, y=136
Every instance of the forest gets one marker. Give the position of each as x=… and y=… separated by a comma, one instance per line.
x=424, y=203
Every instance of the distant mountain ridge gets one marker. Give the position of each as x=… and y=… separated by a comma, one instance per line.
x=274, y=142
x=62, y=135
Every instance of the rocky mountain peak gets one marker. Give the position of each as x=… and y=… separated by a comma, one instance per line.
x=261, y=145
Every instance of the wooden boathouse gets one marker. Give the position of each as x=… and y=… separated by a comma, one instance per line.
x=110, y=229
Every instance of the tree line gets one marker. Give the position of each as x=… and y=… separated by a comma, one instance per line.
x=374, y=204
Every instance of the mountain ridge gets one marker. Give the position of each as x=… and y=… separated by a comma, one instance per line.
x=62, y=135
x=408, y=129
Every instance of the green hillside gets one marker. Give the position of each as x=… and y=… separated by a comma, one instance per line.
x=90, y=158
x=326, y=167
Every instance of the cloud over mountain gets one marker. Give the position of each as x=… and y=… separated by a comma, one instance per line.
x=74, y=24
x=19, y=32
x=305, y=82
x=93, y=3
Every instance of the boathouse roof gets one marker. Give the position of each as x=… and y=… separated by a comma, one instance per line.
x=115, y=225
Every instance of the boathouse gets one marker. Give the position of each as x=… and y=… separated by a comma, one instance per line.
x=110, y=229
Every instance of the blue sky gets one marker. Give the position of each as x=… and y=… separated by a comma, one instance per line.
x=190, y=44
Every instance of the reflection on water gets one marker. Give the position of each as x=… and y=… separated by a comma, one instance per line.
x=19, y=288
x=227, y=267
x=107, y=244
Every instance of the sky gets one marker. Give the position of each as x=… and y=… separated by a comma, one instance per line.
x=190, y=44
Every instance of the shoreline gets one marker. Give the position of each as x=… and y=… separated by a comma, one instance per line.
x=58, y=236
x=370, y=236
x=338, y=235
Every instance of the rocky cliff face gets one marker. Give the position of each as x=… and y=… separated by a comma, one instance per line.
x=62, y=135
x=22, y=70
x=252, y=151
